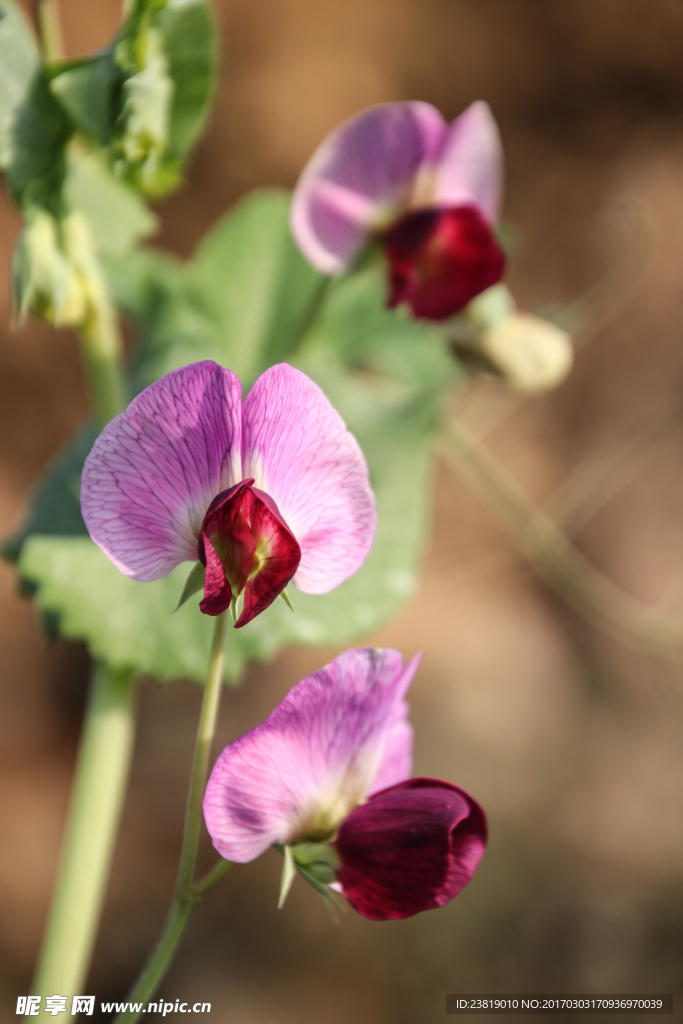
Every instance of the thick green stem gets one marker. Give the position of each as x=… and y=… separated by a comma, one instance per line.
x=186, y=894
x=97, y=797
x=46, y=15
x=102, y=348
x=556, y=560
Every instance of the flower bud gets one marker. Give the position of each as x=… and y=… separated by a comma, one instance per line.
x=532, y=354
x=526, y=351
x=45, y=280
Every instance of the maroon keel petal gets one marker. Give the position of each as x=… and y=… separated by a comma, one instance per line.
x=279, y=557
x=247, y=548
x=441, y=259
x=410, y=848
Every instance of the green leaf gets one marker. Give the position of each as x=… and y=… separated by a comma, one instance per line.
x=34, y=130
x=358, y=329
x=189, y=35
x=18, y=66
x=55, y=504
x=254, y=283
x=118, y=217
x=33, y=127
x=89, y=91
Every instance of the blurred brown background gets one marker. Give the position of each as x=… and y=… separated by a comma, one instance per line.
x=571, y=742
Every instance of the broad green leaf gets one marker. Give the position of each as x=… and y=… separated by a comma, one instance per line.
x=356, y=326
x=55, y=504
x=189, y=35
x=255, y=284
x=118, y=217
x=88, y=91
x=18, y=66
x=255, y=298
x=143, y=282
x=33, y=127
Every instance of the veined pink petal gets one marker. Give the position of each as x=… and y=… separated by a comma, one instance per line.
x=397, y=761
x=360, y=178
x=297, y=448
x=155, y=468
x=471, y=164
x=299, y=773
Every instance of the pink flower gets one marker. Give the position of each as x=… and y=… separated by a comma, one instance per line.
x=428, y=191
x=327, y=774
x=262, y=492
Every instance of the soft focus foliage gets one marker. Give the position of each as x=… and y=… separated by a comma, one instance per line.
x=392, y=414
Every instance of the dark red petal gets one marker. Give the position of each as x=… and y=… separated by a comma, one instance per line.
x=441, y=259
x=219, y=523
x=280, y=564
x=236, y=525
x=410, y=848
x=217, y=590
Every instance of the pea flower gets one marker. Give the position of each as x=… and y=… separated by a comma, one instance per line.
x=327, y=776
x=259, y=492
x=429, y=192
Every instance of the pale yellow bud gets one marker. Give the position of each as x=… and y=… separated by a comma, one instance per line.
x=530, y=353
x=45, y=280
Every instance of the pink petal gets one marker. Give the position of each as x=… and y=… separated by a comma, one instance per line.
x=313, y=759
x=410, y=848
x=360, y=178
x=397, y=759
x=297, y=448
x=471, y=165
x=155, y=468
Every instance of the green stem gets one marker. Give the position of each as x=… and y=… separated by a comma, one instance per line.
x=97, y=797
x=211, y=878
x=556, y=560
x=101, y=347
x=46, y=17
x=186, y=894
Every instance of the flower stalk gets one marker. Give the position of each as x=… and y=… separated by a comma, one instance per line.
x=187, y=894
x=97, y=798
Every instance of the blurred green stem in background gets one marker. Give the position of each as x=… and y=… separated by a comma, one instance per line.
x=102, y=351
x=97, y=797
x=187, y=893
x=541, y=541
x=46, y=17
x=105, y=750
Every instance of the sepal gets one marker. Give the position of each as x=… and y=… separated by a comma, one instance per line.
x=193, y=583
x=308, y=860
x=287, y=877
